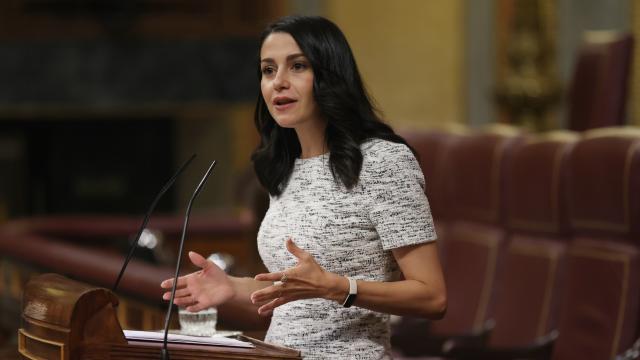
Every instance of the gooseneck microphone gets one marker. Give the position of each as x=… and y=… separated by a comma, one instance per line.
x=165, y=351
x=134, y=243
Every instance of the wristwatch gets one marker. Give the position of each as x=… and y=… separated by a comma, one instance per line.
x=353, y=293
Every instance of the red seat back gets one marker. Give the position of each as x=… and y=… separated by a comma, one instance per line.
x=598, y=93
x=527, y=295
x=474, y=166
x=599, y=316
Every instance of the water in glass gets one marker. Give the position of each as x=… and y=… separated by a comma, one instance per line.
x=199, y=323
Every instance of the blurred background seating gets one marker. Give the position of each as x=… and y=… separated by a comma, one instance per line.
x=556, y=276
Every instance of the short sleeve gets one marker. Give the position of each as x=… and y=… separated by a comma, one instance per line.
x=399, y=208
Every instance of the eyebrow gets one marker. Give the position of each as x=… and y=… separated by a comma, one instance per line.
x=289, y=57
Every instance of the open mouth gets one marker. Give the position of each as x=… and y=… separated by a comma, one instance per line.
x=283, y=101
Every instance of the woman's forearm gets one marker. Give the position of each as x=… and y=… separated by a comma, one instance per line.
x=405, y=297
x=421, y=293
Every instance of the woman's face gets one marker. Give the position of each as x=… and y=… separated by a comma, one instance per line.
x=287, y=82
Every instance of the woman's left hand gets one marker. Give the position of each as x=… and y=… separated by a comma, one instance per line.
x=306, y=280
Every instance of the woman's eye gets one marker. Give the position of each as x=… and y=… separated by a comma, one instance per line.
x=267, y=70
x=299, y=66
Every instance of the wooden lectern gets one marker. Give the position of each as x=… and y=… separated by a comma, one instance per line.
x=68, y=320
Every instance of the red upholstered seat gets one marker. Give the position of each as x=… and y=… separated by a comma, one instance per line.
x=472, y=254
x=599, y=316
x=599, y=87
x=467, y=194
x=527, y=285
x=536, y=215
x=605, y=184
x=528, y=294
x=474, y=166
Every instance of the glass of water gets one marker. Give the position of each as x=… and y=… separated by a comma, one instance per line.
x=199, y=323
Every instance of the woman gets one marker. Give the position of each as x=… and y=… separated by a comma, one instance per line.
x=347, y=213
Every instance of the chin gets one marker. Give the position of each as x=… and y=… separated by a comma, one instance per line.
x=286, y=123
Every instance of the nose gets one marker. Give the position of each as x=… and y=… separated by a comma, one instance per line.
x=281, y=80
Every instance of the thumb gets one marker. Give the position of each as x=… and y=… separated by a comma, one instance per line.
x=294, y=249
x=198, y=260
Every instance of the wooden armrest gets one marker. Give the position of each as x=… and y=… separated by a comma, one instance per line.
x=107, y=227
x=93, y=266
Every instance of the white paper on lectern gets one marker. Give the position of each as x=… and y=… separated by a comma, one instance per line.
x=186, y=339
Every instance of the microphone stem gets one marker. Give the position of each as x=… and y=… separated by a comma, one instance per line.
x=165, y=351
x=132, y=247
x=173, y=288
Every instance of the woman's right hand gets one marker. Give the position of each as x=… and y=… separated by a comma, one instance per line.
x=207, y=287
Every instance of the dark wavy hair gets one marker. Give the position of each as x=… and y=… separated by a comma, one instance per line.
x=341, y=97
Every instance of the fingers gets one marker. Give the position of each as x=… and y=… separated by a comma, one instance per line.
x=182, y=297
x=179, y=293
x=198, y=260
x=270, y=276
x=267, y=309
x=196, y=307
x=278, y=291
x=295, y=250
x=186, y=301
x=266, y=294
x=168, y=284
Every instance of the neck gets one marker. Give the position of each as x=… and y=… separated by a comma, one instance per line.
x=312, y=139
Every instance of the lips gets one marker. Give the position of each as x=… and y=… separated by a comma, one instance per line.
x=282, y=103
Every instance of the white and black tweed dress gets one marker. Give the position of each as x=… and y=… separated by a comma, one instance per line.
x=349, y=232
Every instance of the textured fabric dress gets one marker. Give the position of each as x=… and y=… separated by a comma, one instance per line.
x=348, y=232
